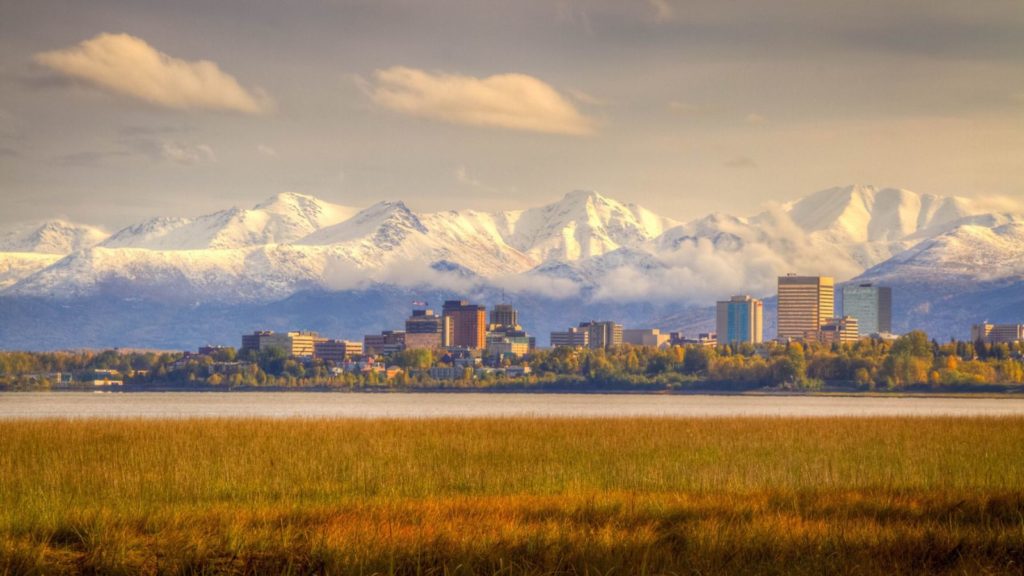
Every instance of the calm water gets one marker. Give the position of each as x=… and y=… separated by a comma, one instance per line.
x=380, y=405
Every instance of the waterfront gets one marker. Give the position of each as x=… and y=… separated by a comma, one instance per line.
x=158, y=405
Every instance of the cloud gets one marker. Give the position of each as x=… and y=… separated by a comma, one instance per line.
x=684, y=108
x=462, y=176
x=267, y=151
x=127, y=65
x=998, y=203
x=663, y=11
x=187, y=154
x=755, y=119
x=743, y=259
x=741, y=162
x=510, y=101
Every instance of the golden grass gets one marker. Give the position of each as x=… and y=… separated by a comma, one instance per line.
x=513, y=496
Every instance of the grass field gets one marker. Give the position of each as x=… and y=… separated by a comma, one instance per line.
x=518, y=496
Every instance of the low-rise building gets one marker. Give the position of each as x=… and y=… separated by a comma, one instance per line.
x=293, y=343
x=650, y=337
x=387, y=342
x=997, y=333
x=836, y=330
x=709, y=339
x=336, y=350
x=571, y=338
x=448, y=372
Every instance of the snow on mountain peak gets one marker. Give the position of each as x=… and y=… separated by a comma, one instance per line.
x=281, y=219
x=582, y=224
x=293, y=240
x=50, y=237
x=386, y=222
x=864, y=213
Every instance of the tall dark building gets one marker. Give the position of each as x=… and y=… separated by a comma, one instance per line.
x=423, y=322
x=504, y=315
x=465, y=324
x=424, y=329
x=604, y=334
x=871, y=305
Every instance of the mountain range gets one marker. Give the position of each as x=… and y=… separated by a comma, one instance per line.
x=295, y=261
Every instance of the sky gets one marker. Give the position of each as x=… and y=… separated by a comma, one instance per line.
x=114, y=112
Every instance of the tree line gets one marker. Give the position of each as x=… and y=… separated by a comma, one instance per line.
x=911, y=360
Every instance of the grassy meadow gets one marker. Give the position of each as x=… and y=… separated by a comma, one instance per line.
x=513, y=496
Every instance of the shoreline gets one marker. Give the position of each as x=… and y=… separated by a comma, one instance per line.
x=1002, y=392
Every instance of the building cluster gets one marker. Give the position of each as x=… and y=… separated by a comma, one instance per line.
x=462, y=331
x=301, y=345
x=806, y=311
x=467, y=335
x=462, y=328
x=997, y=333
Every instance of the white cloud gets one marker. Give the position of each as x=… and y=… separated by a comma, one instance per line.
x=511, y=101
x=462, y=176
x=267, y=151
x=127, y=65
x=741, y=162
x=187, y=154
x=663, y=11
x=755, y=119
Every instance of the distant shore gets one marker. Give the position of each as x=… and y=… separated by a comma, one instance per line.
x=966, y=390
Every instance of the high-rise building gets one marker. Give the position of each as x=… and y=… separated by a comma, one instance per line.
x=605, y=334
x=424, y=329
x=997, y=333
x=504, y=315
x=739, y=319
x=465, y=324
x=842, y=330
x=805, y=303
x=871, y=305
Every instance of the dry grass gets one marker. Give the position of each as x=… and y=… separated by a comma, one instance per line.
x=516, y=496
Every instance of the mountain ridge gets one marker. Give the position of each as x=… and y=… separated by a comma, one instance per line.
x=583, y=245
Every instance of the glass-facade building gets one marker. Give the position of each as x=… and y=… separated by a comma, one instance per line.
x=739, y=319
x=871, y=305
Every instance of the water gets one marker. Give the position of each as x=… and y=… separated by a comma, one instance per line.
x=469, y=405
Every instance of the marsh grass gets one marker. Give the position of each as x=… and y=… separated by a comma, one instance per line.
x=513, y=496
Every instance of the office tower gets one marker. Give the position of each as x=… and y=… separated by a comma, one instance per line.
x=466, y=324
x=739, y=319
x=504, y=315
x=871, y=305
x=605, y=334
x=424, y=329
x=805, y=302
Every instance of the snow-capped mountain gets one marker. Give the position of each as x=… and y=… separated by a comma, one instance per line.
x=285, y=218
x=872, y=224
x=50, y=237
x=582, y=225
x=583, y=247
